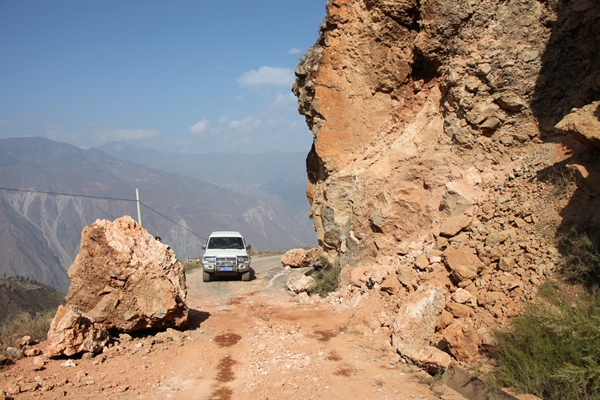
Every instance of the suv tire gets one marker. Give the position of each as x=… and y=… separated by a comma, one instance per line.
x=247, y=276
x=205, y=277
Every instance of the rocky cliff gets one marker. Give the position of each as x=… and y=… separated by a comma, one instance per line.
x=421, y=110
x=441, y=156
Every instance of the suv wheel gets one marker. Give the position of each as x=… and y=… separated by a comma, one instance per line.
x=205, y=277
x=247, y=276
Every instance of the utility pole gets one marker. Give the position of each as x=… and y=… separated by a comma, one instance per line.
x=139, y=209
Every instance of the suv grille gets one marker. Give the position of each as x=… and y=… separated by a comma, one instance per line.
x=227, y=261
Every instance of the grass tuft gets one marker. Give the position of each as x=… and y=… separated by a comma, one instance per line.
x=327, y=278
x=22, y=324
x=553, y=350
x=582, y=265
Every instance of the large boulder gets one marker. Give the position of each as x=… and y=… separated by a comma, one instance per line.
x=297, y=258
x=418, y=317
x=122, y=279
x=583, y=124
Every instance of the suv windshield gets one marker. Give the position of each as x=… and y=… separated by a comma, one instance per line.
x=234, y=243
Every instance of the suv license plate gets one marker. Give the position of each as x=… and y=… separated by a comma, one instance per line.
x=226, y=268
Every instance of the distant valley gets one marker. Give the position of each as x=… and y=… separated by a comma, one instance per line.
x=40, y=232
x=277, y=178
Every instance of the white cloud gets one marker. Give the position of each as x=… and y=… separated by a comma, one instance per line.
x=199, y=127
x=296, y=52
x=223, y=120
x=267, y=76
x=246, y=125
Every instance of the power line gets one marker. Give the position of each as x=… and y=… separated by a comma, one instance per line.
x=65, y=194
x=103, y=198
x=176, y=223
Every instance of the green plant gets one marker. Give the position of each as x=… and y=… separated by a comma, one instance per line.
x=553, y=349
x=24, y=324
x=327, y=278
x=582, y=265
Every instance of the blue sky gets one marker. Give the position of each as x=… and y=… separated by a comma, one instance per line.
x=176, y=75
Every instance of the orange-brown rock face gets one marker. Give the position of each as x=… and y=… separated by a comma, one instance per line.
x=421, y=110
x=123, y=280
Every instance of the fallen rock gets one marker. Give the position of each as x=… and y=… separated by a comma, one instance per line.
x=14, y=353
x=123, y=279
x=453, y=225
x=406, y=275
x=418, y=317
x=71, y=333
x=583, y=124
x=428, y=357
x=38, y=363
x=300, y=283
x=459, y=310
x=463, y=262
x=296, y=258
x=461, y=296
x=391, y=284
x=462, y=339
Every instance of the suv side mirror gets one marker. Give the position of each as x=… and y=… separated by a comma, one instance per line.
x=248, y=247
x=203, y=247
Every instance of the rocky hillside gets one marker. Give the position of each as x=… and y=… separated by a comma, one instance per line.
x=420, y=111
x=436, y=152
x=40, y=233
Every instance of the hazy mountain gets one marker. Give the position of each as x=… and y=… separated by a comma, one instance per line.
x=40, y=232
x=277, y=178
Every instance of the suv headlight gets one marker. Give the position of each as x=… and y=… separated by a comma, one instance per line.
x=243, y=259
x=210, y=260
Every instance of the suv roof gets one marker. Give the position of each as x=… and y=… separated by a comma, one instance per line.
x=225, y=234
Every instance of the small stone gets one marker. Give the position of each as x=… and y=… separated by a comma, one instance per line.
x=68, y=363
x=14, y=353
x=38, y=363
x=32, y=352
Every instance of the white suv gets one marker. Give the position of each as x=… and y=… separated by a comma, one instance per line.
x=226, y=254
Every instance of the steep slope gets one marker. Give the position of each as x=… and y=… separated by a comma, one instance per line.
x=41, y=232
x=420, y=109
x=438, y=168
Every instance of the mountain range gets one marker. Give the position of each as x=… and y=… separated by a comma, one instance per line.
x=49, y=191
x=277, y=178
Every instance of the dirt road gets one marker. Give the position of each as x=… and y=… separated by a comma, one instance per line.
x=245, y=340
x=269, y=278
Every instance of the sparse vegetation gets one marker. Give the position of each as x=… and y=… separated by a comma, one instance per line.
x=583, y=261
x=327, y=278
x=553, y=350
x=191, y=264
x=560, y=178
x=24, y=324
